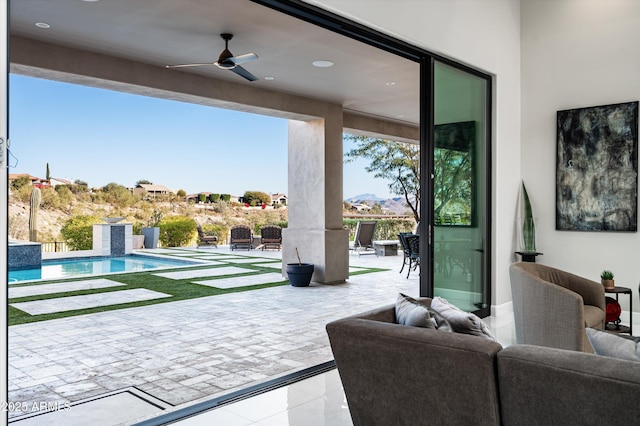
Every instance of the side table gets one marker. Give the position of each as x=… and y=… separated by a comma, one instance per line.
x=616, y=326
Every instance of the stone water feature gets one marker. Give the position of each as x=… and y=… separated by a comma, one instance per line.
x=112, y=238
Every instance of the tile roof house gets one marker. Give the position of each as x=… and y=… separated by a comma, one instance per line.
x=279, y=199
x=152, y=189
x=35, y=181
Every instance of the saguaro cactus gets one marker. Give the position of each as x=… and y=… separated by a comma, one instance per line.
x=34, y=203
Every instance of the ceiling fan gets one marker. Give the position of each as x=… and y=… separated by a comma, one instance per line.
x=227, y=61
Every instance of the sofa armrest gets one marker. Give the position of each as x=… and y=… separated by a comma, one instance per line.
x=567, y=387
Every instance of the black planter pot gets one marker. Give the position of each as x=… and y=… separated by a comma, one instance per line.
x=299, y=274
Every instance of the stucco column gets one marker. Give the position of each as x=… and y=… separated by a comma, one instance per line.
x=315, y=198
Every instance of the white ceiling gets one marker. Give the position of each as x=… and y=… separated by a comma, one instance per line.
x=162, y=32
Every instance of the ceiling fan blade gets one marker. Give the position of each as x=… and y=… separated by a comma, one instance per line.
x=187, y=65
x=241, y=59
x=244, y=73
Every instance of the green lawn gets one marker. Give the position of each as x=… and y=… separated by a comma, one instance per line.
x=182, y=289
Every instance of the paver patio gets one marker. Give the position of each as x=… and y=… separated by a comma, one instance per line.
x=188, y=351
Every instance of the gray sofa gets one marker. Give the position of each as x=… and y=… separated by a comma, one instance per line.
x=399, y=375
x=552, y=307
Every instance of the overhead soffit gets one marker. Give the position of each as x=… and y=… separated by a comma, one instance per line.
x=364, y=79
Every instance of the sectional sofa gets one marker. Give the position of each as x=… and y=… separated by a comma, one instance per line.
x=401, y=375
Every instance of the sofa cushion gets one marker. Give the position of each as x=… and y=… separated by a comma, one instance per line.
x=461, y=321
x=613, y=345
x=418, y=313
x=409, y=312
x=593, y=316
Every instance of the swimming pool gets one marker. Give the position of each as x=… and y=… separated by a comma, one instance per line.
x=64, y=268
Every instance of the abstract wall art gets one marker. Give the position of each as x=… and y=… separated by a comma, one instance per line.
x=597, y=168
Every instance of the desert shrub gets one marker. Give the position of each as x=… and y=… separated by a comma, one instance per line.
x=255, y=198
x=118, y=195
x=18, y=227
x=50, y=199
x=77, y=232
x=20, y=183
x=386, y=229
x=202, y=198
x=214, y=198
x=137, y=228
x=225, y=197
x=177, y=231
x=220, y=207
x=220, y=229
x=181, y=193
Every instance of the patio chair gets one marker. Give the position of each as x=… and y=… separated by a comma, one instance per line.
x=363, y=239
x=271, y=237
x=206, y=238
x=241, y=237
x=405, y=249
x=413, y=242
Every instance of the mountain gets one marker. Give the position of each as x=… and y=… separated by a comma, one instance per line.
x=364, y=197
x=395, y=205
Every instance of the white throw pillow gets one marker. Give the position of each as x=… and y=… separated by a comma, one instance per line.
x=613, y=345
x=461, y=321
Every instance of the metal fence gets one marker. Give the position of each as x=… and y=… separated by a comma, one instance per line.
x=55, y=246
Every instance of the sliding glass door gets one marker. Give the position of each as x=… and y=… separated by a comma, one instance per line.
x=460, y=195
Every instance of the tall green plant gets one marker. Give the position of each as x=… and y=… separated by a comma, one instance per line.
x=528, y=226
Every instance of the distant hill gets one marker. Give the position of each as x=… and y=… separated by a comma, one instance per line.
x=364, y=197
x=395, y=205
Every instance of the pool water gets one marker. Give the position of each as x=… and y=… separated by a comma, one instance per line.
x=65, y=268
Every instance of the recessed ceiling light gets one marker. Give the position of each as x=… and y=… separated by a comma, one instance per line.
x=90, y=1
x=322, y=64
x=390, y=83
x=42, y=25
x=269, y=78
x=400, y=116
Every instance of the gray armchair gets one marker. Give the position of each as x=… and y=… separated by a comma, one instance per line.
x=552, y=307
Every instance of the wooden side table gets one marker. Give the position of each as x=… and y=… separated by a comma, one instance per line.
x=616, y=326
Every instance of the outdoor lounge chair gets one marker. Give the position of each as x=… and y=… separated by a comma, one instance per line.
x=241, y=237
x=363, y=239
x=206, y=238
x=271, y=237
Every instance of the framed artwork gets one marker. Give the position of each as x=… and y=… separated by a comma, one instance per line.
x=597, y=168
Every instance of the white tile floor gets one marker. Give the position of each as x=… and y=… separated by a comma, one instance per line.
x=317, y=401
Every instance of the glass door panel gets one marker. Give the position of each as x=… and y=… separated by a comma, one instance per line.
x=460, y=188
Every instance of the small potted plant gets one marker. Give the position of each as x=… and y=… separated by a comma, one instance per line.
x=299, y=273
x=607, y=279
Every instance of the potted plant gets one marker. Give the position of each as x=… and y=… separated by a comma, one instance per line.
x=607, y=279
x=528, y=229
x=152, y=231
x=299, y=273
x=137, y=239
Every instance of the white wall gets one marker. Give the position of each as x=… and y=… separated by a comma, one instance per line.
x=576, y=53
x=485, y=35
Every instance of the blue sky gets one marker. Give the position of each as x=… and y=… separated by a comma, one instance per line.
x=102, y=136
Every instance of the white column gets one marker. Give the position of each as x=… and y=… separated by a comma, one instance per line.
x=315, y=198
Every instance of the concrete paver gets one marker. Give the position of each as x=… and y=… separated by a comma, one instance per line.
x=188, y=351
